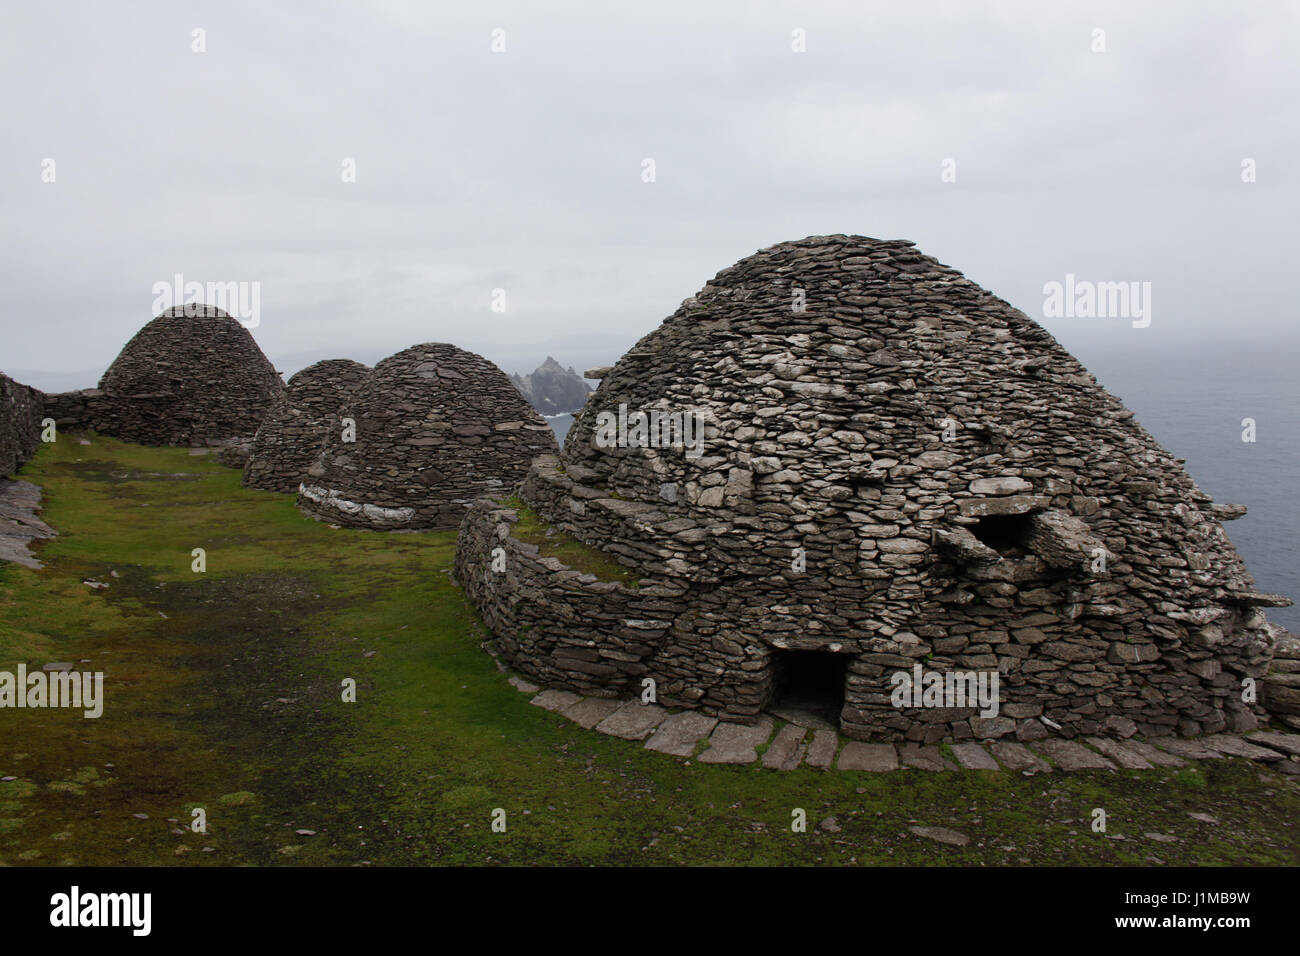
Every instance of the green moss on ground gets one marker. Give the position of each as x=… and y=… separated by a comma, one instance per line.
x=223, y=691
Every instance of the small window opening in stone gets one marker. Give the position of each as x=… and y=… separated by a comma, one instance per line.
x=810, y=682
x=1003, y=533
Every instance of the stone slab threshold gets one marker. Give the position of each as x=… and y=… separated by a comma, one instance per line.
x=808, y=741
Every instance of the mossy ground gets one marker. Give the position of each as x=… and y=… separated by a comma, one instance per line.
x=223, y=692
x=553, y=543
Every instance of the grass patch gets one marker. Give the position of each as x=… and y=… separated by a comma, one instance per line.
x=223, y=691
x=553, y=543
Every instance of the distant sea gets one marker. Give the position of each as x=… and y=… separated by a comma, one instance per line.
x=1193, y=401
x=561, y=425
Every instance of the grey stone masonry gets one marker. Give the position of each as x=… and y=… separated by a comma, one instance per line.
x=688, y=734
x=436, y=427
x=21, y=411
x=192, y=376
x=896, y=468
x=294, y=430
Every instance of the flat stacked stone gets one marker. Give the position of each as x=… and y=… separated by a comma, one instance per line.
x=21, y=411
x=234, y=452
x=436, y=428
x=74, y=411
x=905, y=470
x=1280, y=688
x=293, y=432
x=192, y=376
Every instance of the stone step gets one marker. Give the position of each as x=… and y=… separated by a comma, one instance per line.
x=680, y=733
x=1184, y=747
x=876, y=758
x=1154, y=755
x=787, y=748
x=923, y=758
x=1236, y=747
x=821, y=751
x=973, y=757
x=589, y=711
x=1070, y=755
x=632, y=720
x=1018, y=757
x=555, y=700
x=1286, y=743
x=737, y=743
x=1119, y=752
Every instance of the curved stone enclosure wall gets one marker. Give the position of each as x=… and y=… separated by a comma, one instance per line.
x=549, y=614
x=907, y=472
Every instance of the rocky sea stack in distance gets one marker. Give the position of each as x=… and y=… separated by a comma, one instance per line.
x=553, y=389
x=435, y=428
x=897, y=470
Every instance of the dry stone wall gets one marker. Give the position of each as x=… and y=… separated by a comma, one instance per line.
x=80, y=410
x=905, y=471
x=293, y=432
x=435, y=428
x=21, y=411
x=547, y=613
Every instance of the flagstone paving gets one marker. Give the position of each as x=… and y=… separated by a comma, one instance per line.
x=633, y=720
x=973, y=757
x=803, y=739
x=787, y=748
x=590, y=711
x=19, y=524
x=680, y=733
x=737, y=743
x=821, y=752
x=1119, y=753
x=877, y=758
x=1154, y=755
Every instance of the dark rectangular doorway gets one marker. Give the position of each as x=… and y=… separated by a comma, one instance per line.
x=811, y=682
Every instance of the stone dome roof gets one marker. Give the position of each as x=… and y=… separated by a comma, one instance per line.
x=293, y=432
x=193, y=375
x=897, y=467
x=436, y=427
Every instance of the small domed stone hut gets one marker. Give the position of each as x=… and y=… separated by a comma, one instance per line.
x=293, y=432
x=896, y=475
x=192, y=376
x=435, y=428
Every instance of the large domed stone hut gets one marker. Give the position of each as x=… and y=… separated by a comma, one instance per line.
x=294, y=430
x=434, y=428
x=844, y=473
x=192, y=376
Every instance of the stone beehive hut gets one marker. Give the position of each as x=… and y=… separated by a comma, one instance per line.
x=435, y=428
x=898, y=469
x=192, y=376
x=294, y=430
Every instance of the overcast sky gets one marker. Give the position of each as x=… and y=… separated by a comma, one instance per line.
x=523, y=169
